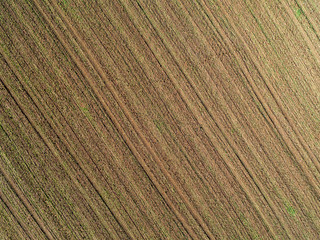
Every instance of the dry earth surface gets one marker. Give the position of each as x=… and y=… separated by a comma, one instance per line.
x=162, y=119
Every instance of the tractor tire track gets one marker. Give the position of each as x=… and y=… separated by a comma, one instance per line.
x=257, y=157
x=102, y=74
x=11, y=210
x=253, y=132
x=259, y=96
x=28, y=168
x=113, y=119
x=239, y=156
x=308, y=15
x=205, y=182
x=62, y=130
x=184, y=97
x=260, y=185
x=50, y=145
x=26, y=202
x=303, y=154
x=276, y=98
x=302, y=30
x=317, y=58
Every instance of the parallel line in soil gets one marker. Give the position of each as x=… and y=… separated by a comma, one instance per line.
x=263, y=102
x=23, y=199
x=271, y=179
x=270, y=14
x=317, y=58
x=126, y=140
x=186, y=101
x=4, y=206
x=12, y=211
x=101, y=73
x=188, y=105
x=13, y=220
x=309, y=18
x=197, y=173
x=298, y=157
x=58, y=130
x=296, y=198
x=192, y=166
x=272, y=121
x=237, y=152
x=92, y=160
x=284, y=224
x=198, y=97
x=239, y=156
x=35, y=178
x=286, y=116
x=82, y=144
x=19, y=106
x=51, y=146
x=28, y=168
x=141, y=86
x=312, y=24
x=254, y=152
x=118, y=126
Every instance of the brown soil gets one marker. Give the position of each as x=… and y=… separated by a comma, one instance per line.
x=159, y=119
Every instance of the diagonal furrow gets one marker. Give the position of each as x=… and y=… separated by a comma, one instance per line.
x=263, y=102
x=204, y=181
x=290, y=192
x=271, y=115
x=236, y=151
x=249, y=143
x=53, y=120
x=201, y=122
x=254, y=133
x=268, y=197
x=7, y=204
x=23, y=162
x=90, y=156
x=129, y=117
x=26, y=203
x=258, y=158
x=308, y=15
x=132, y=119
x=50, y=145
x=5, y=207
x=309, y=154
x=302, y=30
x=112, y=117
x=317, y=58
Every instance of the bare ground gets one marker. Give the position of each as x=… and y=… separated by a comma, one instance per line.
x=163, y=120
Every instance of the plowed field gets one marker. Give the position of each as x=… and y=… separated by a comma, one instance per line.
x=163, y=119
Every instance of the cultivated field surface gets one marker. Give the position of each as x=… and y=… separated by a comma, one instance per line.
x=159, y=119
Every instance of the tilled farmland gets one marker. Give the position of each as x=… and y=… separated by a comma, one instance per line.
x=164, y=119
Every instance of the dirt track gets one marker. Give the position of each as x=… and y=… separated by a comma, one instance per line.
x=163, y=120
